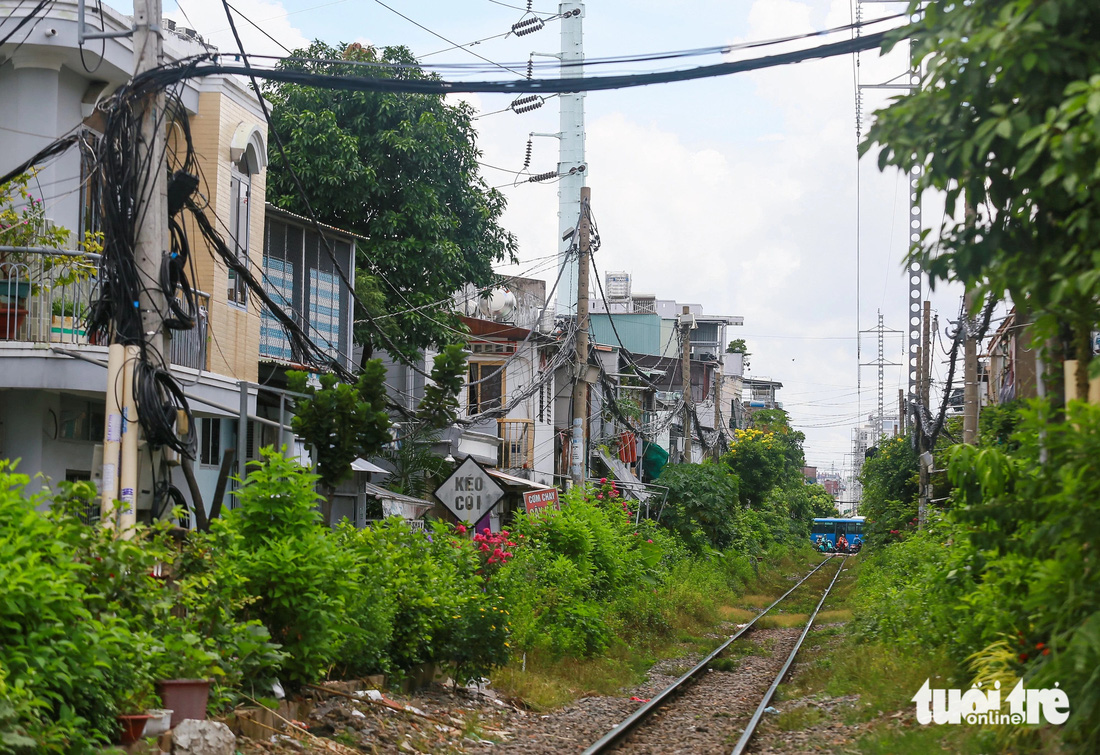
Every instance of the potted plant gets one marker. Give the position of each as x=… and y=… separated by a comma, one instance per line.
x=68, y=322
x=183, y=668
x=23, y=273
x=134, y=703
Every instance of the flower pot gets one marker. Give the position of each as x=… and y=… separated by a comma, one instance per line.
x=11, y=318
x=13, y=290
x=186, y=698
x=160, y=721
x=133, y=727
x=65, y=329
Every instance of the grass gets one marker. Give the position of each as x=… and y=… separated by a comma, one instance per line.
x=694, y=604
x=797, y=719
x=549, y=683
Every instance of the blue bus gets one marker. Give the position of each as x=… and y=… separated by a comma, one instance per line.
x=831, y=528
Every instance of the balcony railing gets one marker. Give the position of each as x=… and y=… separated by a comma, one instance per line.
x=45, y=297
x=517, y=443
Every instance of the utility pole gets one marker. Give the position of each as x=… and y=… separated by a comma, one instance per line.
x=970, y=373
x=150, y=244
x=571, y=165
x=686, y=322
x=970, y=354
x=903, y=416
x=923, y=452
x=580, y=384
x=719, y=425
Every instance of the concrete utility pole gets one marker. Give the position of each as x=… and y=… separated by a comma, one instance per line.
x=970, y=354
x=903, y=416
x=970, y=373
x=686, y=322
x=580, y=384
x=151, y=243
x=923, y=395
x=719, y=424
x=571, y=165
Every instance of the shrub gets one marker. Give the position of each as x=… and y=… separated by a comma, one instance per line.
x=296, y=577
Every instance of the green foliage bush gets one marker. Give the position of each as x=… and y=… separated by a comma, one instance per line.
x=1007, y=581
x=296, y=577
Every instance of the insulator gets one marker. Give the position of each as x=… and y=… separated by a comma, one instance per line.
x=543, y=176
x=530, y=68
x=528, y=26
x=527, y=104
x=527, y=157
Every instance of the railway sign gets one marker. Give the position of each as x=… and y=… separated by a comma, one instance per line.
x=470, y=493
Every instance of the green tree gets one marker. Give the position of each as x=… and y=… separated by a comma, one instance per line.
x=1006, y=116
x=400, y=169
x=702, y=505
x=889, y=480
x=341, y=422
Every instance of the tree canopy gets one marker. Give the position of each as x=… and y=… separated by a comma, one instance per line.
x=1007, y=115
x=399, y=169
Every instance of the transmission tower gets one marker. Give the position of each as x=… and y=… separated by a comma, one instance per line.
x=908, y=82
x=882, y=364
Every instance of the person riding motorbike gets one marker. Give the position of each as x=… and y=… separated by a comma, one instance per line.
x=842, y=544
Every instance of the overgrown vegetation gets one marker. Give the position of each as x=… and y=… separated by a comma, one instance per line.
x=1003, y=581
x=271, y=593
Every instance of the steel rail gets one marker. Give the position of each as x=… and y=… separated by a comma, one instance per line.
x=628, y=724
x=750, y=728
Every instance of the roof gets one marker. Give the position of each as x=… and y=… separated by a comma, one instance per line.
x=302, y=220
x=379, y=492
x=513, y=480
x=491, y=329
x=362, y=465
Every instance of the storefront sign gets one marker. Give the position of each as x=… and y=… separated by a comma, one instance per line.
x=541, y=499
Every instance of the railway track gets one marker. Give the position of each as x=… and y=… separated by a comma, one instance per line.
x=662, y=700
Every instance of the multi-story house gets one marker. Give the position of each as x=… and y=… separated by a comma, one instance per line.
x=52, y=376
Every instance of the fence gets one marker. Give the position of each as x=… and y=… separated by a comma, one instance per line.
x=517, y=443
x=45, y=297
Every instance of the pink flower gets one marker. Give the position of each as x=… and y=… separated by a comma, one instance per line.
x=600, y=496
x=603, y=480
x=461, y=529
x=649, y=541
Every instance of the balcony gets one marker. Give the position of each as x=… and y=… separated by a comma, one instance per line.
x=44, y=302
x=517, y=444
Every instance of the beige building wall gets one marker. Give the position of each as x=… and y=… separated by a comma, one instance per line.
x=233, y=341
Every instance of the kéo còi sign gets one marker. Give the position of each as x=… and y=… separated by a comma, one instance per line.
x=470, y=493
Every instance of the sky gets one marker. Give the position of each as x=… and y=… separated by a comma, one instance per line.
x=739, y=193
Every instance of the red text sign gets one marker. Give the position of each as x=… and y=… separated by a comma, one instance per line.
x=541, y=499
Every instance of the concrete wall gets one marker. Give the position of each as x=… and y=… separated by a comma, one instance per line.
x=234, y=341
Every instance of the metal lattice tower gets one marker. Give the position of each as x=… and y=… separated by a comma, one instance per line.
x=882, y=364
x=907, y=82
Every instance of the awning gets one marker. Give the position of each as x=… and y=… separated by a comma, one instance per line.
x=362, y=465
x=630, y=484
x=411, y=508
x=518, y=482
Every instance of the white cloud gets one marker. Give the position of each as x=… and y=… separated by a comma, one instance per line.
x=208, y=18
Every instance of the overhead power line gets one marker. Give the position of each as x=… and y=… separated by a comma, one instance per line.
x=579, y=84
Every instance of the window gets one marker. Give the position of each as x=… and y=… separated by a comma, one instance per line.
x=324, y=310
x=210, y=441
x=486, y=387
x=279, y=285
x=240, y=188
